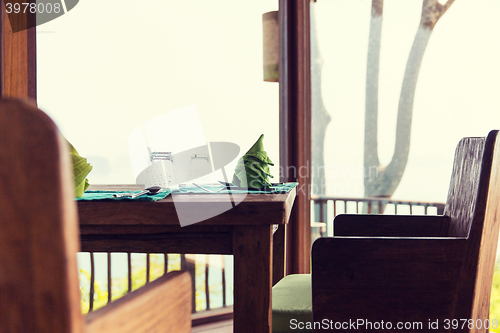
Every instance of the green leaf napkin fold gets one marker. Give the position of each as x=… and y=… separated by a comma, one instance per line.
x=81, y=169
x=252, y=170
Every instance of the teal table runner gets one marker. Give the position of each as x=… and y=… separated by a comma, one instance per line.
x=108, y=195
x=282, y=188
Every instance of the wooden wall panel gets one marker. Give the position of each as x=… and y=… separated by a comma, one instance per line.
x=17, y=57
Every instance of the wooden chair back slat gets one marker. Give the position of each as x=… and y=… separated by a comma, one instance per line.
x=479, y=260
x=39, y=288
x=464, y=186
x=489, y=239
x=38, y=233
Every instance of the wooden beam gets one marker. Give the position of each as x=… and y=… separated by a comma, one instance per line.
x=17, y=56
x=295, y=125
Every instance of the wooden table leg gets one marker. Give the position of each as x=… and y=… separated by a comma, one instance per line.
x=253, y=266
x=279, y=254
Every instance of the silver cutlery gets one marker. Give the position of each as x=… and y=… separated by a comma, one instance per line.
x=231, y=186
x=149, y=190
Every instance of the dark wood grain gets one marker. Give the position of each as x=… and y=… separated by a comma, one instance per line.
x=385, y=279
x=477, y=271
x=391, y=225
x=464, y=186
x=161, y=242
x=252, y=278
x=279, y=254
x=415, y=278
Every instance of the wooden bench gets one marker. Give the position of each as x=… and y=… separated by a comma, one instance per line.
x=383, y=269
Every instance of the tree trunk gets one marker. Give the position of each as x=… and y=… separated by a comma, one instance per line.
x=371, y=161
x=380, y=180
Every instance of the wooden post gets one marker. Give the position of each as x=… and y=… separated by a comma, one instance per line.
x=17, y=58
x=295, y=126
x=254, y=314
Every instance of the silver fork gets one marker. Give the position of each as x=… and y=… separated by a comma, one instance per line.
x=130, y=195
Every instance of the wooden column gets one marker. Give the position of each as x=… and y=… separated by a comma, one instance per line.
x=17, y=57
x=295, y=126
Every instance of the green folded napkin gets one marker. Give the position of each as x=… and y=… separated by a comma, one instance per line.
x=252, y=170
x=81, y=168
x=108, y=195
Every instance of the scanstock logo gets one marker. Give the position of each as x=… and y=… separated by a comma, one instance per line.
x=171, y=151
x=221, y=154
x=29, y=13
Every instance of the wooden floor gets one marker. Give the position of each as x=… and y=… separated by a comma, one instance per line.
x=225, y=326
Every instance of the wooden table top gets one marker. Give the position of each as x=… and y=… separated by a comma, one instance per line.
x=257, y=209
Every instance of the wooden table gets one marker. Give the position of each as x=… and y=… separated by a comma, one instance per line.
x=245, y=231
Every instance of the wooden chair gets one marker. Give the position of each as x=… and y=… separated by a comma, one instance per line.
x=39, y=289
x=417, y=269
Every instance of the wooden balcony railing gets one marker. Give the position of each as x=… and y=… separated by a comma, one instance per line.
x=324, y=209
x=185, y=263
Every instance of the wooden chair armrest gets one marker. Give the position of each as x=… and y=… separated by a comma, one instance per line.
x=391, y=225
x=390, y=279
x=165, y=302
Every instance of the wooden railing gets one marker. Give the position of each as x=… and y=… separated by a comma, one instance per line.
x=324, y=209
x=109, y=276
x=186, y=263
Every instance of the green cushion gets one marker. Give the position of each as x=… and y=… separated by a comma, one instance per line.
x=292, y=303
